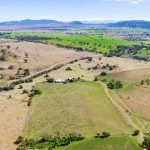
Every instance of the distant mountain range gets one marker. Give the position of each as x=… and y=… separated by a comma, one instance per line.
x=29, y=22
x=44, y=22
x=132, y=24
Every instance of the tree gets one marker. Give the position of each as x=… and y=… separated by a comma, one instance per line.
x=118, y=85
x=142, y=82
x=50, y=80
x=136, y=132
x=105, y=135
x=146, y=143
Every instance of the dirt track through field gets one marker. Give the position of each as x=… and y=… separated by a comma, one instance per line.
x=122, y=111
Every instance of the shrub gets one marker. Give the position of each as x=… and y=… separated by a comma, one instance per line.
x=25, y=91
x=135, y=133
x=98, y=135
x=50, y=80
x=11, y=78
x=29, y=102
x=68, y=69
x=103, y=73
x=105, y=135
x=20, y=86
x=146, y=143
x=11, y=67
x=19, y=140
x=96, y=79
x=102, y=135
x=89, y=59
x=46, y=76
x=114, y=84
x=28, y=80
x=34, y=92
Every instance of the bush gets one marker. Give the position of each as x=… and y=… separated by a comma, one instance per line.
x=19, y=140
x=103, y=74
x=136, y=133
x=11, y=67
x=68, y=69
x=46, y=76
x=102, y=135
x=50, y=80
x=34, y=92
x=114, y=84
x=20, y=86
x=105, y=135
x=25, y=91
x=89, y=59
x=146, y=143
x=96, y=79
x=29, y=102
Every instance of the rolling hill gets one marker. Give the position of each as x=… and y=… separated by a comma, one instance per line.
x=29, y=22
x=131, y=24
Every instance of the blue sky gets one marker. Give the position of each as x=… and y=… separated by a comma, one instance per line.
x=75, y=9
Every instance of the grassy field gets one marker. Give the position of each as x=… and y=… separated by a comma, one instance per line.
x=144, y=52
x=81, y=107
x=112, y=143
x=134, y=96
x=95, y=42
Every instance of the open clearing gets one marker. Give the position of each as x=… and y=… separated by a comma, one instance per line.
x=112, y=143
x=81, y=107
x=135, y=97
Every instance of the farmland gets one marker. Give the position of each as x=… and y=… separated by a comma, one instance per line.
x=68, y=117
x=97, y=43
x=134, y=97
x=87, y=106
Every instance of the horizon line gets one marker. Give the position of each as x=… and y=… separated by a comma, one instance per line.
x=68, y=20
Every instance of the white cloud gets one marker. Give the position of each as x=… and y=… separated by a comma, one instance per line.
x=128, y=1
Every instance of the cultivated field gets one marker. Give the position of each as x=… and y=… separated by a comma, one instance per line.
x=97, y=43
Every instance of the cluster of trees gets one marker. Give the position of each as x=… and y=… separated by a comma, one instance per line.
x=102, y=135
x=13, y=84
x=146, y=142
x=128, y=50
x=48, y=141
x=7, y=88
x=147, y=81
x=23, y=72
x=34, y=38
x=114, y=84
x=32, y=93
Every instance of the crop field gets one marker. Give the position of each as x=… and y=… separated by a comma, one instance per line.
x=112, y=143
x=98, y=43
x=81, y=107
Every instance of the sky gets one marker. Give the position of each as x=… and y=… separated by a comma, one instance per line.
x=69, y=10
